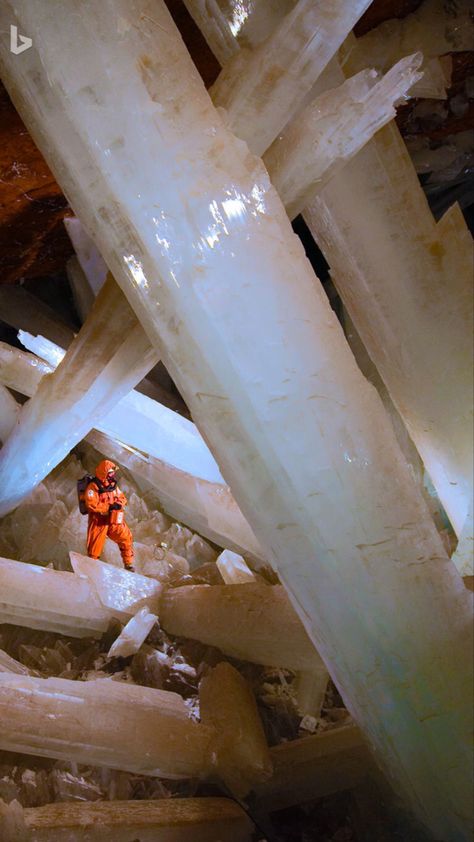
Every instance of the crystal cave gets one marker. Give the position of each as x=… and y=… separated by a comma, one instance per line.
x=236, y=421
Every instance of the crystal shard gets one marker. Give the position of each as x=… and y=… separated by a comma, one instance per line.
x=133, y=635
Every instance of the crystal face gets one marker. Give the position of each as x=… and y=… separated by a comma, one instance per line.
x=199, y=241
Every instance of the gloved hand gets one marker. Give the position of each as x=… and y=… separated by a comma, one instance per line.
x=115, y=507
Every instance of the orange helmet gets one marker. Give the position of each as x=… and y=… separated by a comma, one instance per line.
x=105, y=468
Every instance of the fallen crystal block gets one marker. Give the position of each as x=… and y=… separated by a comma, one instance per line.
x=254, y=622
x=133, y=635
x=53, y=600
x=166, y=820
x=241, y=752
x=103, y=723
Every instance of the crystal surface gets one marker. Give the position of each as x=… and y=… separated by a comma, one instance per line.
x=241, y=753
x=233, y=568
x=102, y=722
x=228, y=616
x=326, y=489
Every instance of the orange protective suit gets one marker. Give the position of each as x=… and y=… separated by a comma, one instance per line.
x=98, y=497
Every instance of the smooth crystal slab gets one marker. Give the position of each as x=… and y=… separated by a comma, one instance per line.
x=133, y=634
x=163, y=820
x=360, y=223
x=79, y=605
x=101, y=365
x=253, y=622
x=241, y=754
x=53, y=600
x=102, y=723
x=280, y=72
x=328, y=132
x=9, y=410
x=326, y=489
x=314, y=767
x=81, y=290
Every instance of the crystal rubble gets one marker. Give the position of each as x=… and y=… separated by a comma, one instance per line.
x=168, y=820
x=103, y=722
x=142, y=422
x=267, y=449
x=331, y=129
x=242, y=758
x=233, y=568
x=227, y=616
x=280, y=72
x=93, y=266
x=133, y=634
x=9, y=410
x=314, y=767
x=101, y=365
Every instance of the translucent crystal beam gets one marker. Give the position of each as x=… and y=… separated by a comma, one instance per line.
x=280, y=72
x=241, y=752
x=141, y=421
x=331, y=129
x=269, y=630
x=203, y=248
x=102, y=364
x=383, y=286
x=165, y=820
x=435, y=28
x=103, y=723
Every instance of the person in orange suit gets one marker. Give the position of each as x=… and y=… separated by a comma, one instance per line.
x=105, y=504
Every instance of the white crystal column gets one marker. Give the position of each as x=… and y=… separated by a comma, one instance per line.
x=320, y=140
x=262, y=89
x=9, y=410
x=201, y=245
x=407, y=285
x=107, y=358
x=103, y=723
